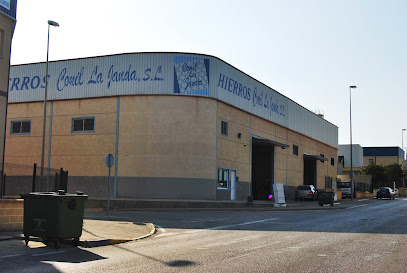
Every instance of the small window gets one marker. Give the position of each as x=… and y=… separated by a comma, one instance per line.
x=371, y=161
x=20, y=127
x=86, y=124
x=224, y=128
x=332, y=161
x=223, y=178
x=295, y=150
x=341, y=159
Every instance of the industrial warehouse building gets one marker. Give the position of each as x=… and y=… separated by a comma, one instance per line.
x=179, y=125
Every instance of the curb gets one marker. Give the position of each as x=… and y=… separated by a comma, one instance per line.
x=89, y=244
x=288, y=208
x=105, y=242
x=6, y=237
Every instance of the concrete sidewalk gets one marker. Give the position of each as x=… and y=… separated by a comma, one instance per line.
x=112, y=230
x=95, y=232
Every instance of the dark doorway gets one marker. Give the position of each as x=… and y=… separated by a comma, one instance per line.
x=262, y=170
x=310, y=171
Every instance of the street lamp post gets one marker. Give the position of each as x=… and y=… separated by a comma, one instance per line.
x=54, y=24
x=402, y=143
x=402, y=148
x=351, y=156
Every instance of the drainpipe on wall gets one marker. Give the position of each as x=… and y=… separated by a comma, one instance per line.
x=286, y=168
x=216, y=152
x=116, y=154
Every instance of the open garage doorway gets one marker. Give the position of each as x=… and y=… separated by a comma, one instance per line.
x=262, y=170
x=263, y=158
x=310, y=171
x=310, y=168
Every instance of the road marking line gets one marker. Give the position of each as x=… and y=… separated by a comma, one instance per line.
x=234, y=241
x=48, y=253
x=10, y=256
x=218, y=227
x=358, y=206
x=245, y=223
x=206, y=220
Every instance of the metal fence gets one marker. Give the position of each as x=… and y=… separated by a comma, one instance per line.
x=363, y=187
x=17, y=179
x=329, y=182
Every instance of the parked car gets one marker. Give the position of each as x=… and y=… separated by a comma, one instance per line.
x=385, y=192
x=306, y=192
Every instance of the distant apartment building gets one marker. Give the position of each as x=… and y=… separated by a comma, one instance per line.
x=344, y=162
x=382, y=155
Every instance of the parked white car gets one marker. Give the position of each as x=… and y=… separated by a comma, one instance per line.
x=306, y=192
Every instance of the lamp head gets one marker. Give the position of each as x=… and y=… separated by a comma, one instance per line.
x=352, y=86
x=53, y=23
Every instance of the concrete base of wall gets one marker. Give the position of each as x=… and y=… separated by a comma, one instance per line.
x=145, y=187
x=242, y=192
x=11, y=214
x=166, y=188
x=360, y=194
x=368, y=194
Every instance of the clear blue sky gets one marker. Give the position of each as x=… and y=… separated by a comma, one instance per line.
x=309, y=50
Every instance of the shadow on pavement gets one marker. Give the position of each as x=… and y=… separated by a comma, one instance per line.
x=77, y=255
x=36, y=256
x=174, y=263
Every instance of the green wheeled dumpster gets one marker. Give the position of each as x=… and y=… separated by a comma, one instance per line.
x=325, y=197
x=53, y=216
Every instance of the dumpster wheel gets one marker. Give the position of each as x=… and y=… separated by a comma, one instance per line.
x=57, y=243
x=75, y=241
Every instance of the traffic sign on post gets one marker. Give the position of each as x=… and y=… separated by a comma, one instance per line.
x=109, y=160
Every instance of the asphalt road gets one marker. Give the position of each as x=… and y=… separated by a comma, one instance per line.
x=369, y=236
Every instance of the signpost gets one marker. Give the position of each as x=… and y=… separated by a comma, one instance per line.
x=109, y=160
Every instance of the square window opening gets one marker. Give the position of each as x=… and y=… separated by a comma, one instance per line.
x=86, y=124
x=223, y=178
x=20, y=127
x=224, y=128
x=295, y=150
